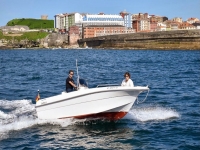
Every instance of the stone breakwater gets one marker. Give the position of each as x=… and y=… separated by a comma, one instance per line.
x=179, y=39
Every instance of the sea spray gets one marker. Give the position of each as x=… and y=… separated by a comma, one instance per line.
x=20, y=114
x=151, y=113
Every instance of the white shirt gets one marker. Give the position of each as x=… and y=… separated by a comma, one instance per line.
x=127, y=83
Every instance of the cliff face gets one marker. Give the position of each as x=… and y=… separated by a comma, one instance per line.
x=54, y=40
x=179, y=39
x=51, y=40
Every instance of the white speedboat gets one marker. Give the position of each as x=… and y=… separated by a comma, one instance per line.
x=110, y=102
x=107, y=102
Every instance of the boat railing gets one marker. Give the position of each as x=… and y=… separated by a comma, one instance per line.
x=107, y=85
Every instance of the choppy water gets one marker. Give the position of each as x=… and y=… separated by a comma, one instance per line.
x=168, y=119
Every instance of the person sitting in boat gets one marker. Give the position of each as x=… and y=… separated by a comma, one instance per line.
x=70, y=85
x=127, y=81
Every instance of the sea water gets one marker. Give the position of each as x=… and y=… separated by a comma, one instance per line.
x=168, y=119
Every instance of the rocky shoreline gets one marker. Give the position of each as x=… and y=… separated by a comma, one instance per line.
x=97, y=48
x=164, y=40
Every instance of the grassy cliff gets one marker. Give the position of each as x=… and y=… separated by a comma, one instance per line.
x=32, y=23
x=27, y=35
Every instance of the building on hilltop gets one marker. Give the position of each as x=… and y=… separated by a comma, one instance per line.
x=44, y=17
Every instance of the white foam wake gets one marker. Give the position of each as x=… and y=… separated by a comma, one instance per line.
x=19, y=114
x=151, y=113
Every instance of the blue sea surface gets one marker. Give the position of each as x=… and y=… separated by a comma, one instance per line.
x=168, y=119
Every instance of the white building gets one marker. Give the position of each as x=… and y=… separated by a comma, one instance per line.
x=75, y=19
x=192, y=20
x=16, y=28
x=61, y=21
x=102, y=19
x=161, y=26
x=144, y=25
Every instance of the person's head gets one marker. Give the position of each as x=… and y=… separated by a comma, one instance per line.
x=127, y=75
x=71, y=73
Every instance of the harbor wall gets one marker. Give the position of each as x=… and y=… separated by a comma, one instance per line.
x=179, y=39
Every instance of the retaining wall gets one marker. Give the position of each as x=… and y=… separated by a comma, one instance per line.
x=179, y=39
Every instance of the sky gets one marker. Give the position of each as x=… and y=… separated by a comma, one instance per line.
x=11, y=9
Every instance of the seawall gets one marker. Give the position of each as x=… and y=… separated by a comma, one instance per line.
x=179, y=39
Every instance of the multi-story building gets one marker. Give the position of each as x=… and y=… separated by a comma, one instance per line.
x=154, y=18
x=141, y=22
x=192, y=20
x=64, y=21
x=102, y=30
x=140, y=16
x=161, y=26
x=153, y=26
x=74, y=18
x=172, y=25
x=102, y=19
x=142, y=25
x=177, y=19
x=153, y=22
x=61, y=21
x=127, y=19
x=187, y=26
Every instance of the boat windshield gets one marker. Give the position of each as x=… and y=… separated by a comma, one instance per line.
x=83, y=83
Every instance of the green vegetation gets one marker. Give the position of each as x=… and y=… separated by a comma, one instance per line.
x=27, y=35
x=4, y=37
x=32, y=23
x=32, y=35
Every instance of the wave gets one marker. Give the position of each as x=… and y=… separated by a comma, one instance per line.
x=151, y=113
x=20, y=114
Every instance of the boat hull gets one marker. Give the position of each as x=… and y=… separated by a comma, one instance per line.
x=113, y=116
x=105, y=103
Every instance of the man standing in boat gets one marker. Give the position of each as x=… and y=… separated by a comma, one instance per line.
x=70, y=85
